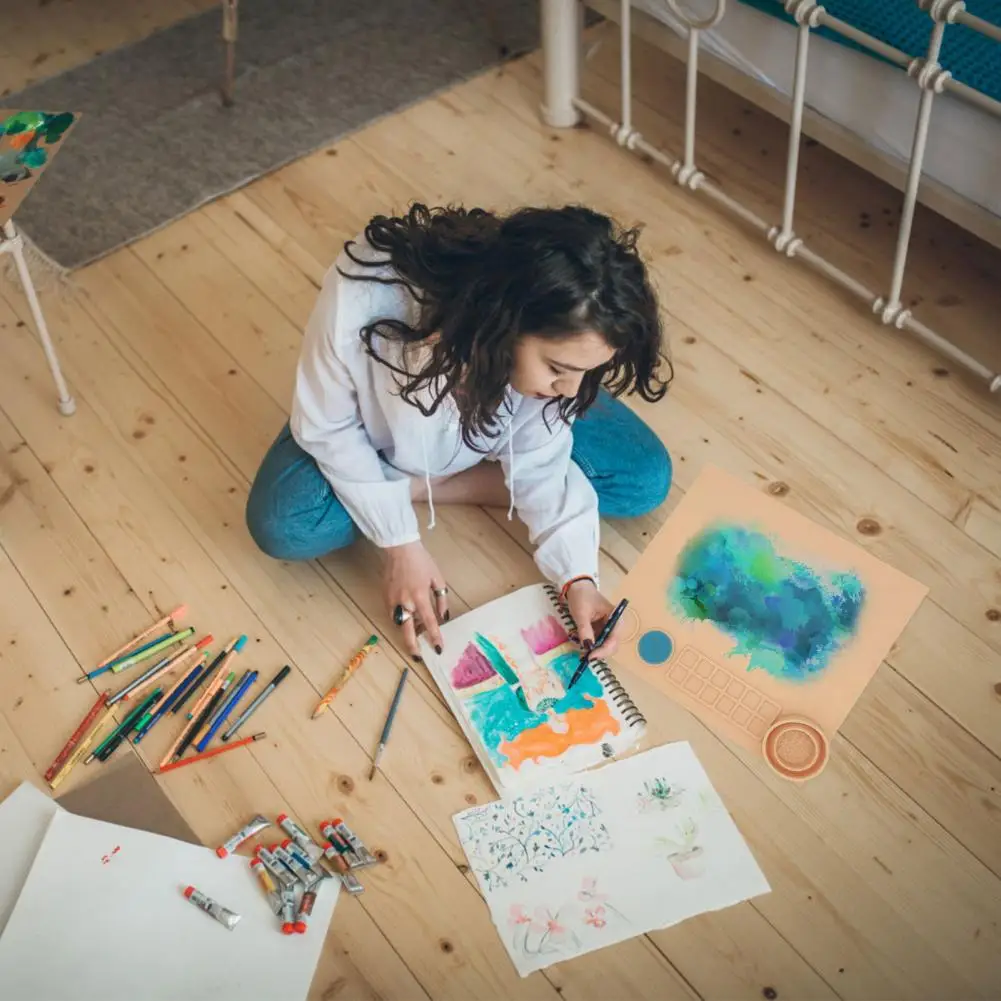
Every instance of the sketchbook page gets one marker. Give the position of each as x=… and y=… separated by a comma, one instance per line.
x=505, y=674
x=746, y=612
x=102, y=917
x=638, y=845
x=24, y=816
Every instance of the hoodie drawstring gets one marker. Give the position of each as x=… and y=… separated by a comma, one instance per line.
x=427, y=477
x=510, y=465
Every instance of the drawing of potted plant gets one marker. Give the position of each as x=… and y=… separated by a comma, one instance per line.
x=659, y=795
x=686, y=857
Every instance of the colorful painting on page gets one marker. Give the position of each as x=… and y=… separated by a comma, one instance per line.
x=28, y=142
x=514, y=692
x=748, y=613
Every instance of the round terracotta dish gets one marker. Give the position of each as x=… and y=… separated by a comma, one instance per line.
x=796, y=749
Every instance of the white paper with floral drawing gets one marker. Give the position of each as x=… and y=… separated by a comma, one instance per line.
x=640, y=844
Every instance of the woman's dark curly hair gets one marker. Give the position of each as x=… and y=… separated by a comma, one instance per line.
x=484, y=280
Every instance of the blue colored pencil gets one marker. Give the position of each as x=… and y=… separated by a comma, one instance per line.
x=178, y=693
x=223, y=713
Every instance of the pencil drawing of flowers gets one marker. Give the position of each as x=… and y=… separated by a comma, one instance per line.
x=506, y=842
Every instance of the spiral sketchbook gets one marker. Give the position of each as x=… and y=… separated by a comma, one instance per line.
x=505, y=672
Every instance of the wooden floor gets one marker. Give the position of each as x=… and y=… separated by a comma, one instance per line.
x=181, y=350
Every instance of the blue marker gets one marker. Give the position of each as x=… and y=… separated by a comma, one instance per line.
x=192, y=679
x=223, y=713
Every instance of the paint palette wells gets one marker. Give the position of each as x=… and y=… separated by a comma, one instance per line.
x=747, y=613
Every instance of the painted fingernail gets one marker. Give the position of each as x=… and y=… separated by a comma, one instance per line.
x=447, y=616
x=588, y=645
x=418, y=660
x=437, y=650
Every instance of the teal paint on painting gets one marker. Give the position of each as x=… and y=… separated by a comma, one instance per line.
x=786, y=617
x=499, y=715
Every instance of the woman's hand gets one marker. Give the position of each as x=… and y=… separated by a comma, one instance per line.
x=410, y=579
x=590, y=609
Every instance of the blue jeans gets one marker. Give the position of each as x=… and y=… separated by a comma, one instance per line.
x=294, y=514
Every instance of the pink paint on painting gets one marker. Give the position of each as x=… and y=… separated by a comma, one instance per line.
x=517, y=916
x=595, y=916
x=545, y=635
x=472, y=669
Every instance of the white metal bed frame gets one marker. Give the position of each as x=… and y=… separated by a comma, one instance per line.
x=563, y=107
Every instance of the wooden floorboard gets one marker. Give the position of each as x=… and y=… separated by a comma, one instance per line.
x=181, y=349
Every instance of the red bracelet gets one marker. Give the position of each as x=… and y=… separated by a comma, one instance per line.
x=575, y=580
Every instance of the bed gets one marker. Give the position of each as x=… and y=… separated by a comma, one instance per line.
x=860, y=77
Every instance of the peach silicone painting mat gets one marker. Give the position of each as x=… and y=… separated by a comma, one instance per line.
x=746, y=612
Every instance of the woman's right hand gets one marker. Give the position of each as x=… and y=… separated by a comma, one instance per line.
x=410, y=579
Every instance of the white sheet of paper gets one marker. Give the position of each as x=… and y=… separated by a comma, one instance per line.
x=638, y=845
x=24, y=816
x=98, y=924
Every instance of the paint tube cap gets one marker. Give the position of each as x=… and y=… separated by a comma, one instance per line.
x=221, y=852
x=326, y=823
x=282, y=817
x=188, y=891
x=286, y=842
x=288, y=928
x=255, y=862
x=240, y=644
x=795, y=748
x=300, y=927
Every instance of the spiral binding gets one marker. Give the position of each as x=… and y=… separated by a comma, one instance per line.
x=618, y=695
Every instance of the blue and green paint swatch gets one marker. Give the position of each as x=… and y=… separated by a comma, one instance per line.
x=787, y=618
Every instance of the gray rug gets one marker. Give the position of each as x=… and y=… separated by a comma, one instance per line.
x=155, y=141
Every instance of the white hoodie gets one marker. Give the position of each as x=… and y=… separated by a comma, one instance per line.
x=368, y=442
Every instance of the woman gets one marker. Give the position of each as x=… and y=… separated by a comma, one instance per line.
x=458, y=357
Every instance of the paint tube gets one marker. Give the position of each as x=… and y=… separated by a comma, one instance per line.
x=268, y=884
x=306, y=908
x=348, y=878
x=286, y=878
x=288, y=911
x=244, y=834
x=224, y=916
x=335, y=841
x=300, y=856
x=309, y=847
x=302, y=870
x=342, y=831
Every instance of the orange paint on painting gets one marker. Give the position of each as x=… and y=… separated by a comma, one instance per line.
x=21, y=139
x=584, y=726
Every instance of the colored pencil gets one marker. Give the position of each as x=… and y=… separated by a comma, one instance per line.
x=221, y=749
x=161, y=667
x=388, y=726
x=206, y=714
x=356, y=661
x=74, y=759
x=74, y=739
x=168, y=700
x=126, y=724
x=221, y=673
x=103, y=753
x=168, y=620
x=256, y=704
x=158, y=645
x=203, y=677
x=223, y=714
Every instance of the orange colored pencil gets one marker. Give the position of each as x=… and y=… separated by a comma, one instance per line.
x=221, y=749
x=210, y=689
x=356, y=661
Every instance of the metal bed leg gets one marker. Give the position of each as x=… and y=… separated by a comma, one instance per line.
x=561, y=40
x=13, y=244
x=230, y=13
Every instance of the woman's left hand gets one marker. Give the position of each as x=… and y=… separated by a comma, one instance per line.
x=590, y=609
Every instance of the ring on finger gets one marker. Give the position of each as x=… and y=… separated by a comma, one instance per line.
x=402, y=615
x=440, y=592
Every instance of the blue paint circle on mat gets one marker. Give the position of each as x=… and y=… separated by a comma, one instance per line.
x=655, y=647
